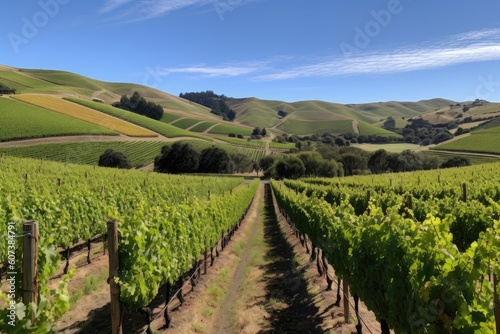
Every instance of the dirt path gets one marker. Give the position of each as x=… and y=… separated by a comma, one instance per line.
x=262, y=282
x=355, y=126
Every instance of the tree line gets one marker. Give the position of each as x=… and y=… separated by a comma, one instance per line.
x=216, y=103
x=138, y=104
x=6, y=90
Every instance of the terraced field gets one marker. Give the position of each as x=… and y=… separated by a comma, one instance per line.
x=202, y=127
x=85, y=114
x=87, y=153
x=229, y=128
x=164, y=129
x=168, y=118
x=185, y=123
x=28, y=121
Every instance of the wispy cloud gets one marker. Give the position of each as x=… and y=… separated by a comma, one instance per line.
x=111, y=5
x=474, y=46
x=205, y=71
x=141, y=10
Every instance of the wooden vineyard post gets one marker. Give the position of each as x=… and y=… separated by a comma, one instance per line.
x=464, y=192
x=346, y=299
x=114, y=288
x=205, y=259
x=29, y=265
x=496, y=294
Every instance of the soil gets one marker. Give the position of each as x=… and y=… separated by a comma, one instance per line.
x=262, y=282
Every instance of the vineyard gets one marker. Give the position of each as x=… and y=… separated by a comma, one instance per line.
x=85, y=114
x=421, y=249
x=41, y=122
x=87, y=153
x=164, y=129
x=164, y=223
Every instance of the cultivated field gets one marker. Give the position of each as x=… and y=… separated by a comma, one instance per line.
x=21, y=120
x=85, y=114
x=143, y=121
x=87, y=153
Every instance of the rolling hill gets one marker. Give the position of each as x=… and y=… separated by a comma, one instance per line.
x=56, y=102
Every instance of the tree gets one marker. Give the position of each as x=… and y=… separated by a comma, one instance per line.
x=242, y=163
x=456, y=162
x=256, y=131
x=351, y=162
x=139, y=105
x=465, y=109
x=379, y=162
x=289, y=167
x=215, y=160
x=390, y=123
x=179, y=158
x=266, y=164
x=442, y=137
x=263, y=132
x=114, y=159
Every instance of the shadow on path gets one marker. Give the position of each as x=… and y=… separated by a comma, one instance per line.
x=290, y=306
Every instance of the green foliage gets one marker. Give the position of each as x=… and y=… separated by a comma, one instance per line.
x=87, y=153
x=405, y=264
x=215, y=160
x=114, y=159
x=181, y=157
x=288, y=166
x=188, y=222
x=139, y=105
x=217, y=103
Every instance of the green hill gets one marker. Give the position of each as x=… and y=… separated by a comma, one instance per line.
x=307, y=117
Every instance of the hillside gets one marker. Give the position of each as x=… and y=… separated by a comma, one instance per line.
x=58, y=105
x=321, y=115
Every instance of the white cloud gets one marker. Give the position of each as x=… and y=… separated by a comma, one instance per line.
x=474, y=46
x=214, y=71
x=141, y=10
x=111, y=5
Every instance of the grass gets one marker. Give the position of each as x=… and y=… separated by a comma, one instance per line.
x=229, y=128
x=148, y=123
x=369, y=129
x=202, y=126
x=394, y=148
x=168, y=118
x=185, y=123
x=21, y=120
x=85, y=114
x=474, y=159
x=300, y=127
x=238, y=247
x=484, y=141
x=87, y=153
x=90, y=284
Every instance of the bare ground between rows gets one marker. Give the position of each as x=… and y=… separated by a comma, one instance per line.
x=286, y=294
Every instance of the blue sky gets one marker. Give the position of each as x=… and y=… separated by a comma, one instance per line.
x=334, y=50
